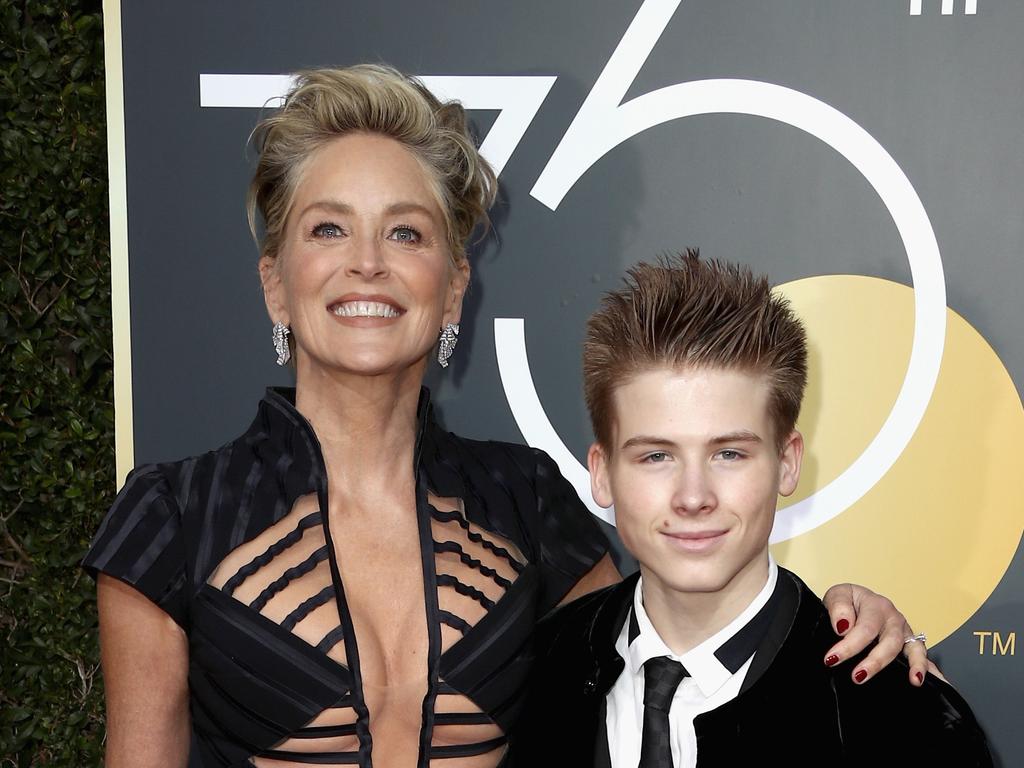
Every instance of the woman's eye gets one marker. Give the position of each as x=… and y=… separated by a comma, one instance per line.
x=405, y=235
x=327, y=230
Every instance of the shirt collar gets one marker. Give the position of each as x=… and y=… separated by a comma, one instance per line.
x=718, y=658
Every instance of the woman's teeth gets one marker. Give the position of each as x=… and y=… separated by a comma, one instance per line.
x=364, y=309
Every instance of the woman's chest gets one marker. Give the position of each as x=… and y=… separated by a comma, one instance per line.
x=385, y=601
x=381, y=568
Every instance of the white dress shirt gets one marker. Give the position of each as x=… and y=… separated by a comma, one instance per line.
x=708, y=685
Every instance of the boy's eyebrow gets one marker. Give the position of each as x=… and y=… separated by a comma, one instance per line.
x=739, y=436
x=647, y=440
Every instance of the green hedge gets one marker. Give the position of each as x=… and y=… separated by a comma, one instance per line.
x=56, y=413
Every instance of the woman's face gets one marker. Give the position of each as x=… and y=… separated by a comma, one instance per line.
x=364, y=276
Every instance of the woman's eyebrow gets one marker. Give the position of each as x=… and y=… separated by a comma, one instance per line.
x=337, y=206
x=334, y=206
x=407, y=207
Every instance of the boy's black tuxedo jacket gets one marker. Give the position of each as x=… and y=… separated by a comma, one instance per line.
x=792, y=710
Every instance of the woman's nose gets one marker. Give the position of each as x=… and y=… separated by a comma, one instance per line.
x=368, y=259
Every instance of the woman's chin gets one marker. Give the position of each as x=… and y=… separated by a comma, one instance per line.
x=370, y=364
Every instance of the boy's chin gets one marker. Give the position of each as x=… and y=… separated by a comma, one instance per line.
x=700, y=578
x=689, y=580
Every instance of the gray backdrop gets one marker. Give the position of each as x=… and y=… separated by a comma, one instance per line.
x=941, y=92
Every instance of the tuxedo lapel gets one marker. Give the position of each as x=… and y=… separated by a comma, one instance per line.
x=604, y=631
x=608, y=665
x=780, y=614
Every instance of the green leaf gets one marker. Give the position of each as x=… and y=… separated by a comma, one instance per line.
x=17, y=714
x=38, y=69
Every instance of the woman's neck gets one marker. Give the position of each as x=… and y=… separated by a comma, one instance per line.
x=366, y=425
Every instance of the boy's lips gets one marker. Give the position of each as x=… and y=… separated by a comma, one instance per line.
x=696, y=541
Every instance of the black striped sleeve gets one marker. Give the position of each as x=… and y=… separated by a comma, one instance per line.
x=566, y=536
x=140, y=542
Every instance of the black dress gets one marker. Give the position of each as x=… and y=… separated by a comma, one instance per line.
x=235, y=546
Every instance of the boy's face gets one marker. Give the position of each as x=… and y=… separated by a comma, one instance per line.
x=694, y=474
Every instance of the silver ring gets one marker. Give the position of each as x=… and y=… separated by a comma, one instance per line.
x=916, y=639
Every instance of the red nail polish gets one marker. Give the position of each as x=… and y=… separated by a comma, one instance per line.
x=832, y=660
x=861, y=674
x=919, y=676
x=842, y=626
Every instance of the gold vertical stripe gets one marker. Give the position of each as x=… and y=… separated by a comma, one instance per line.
x=124, y=436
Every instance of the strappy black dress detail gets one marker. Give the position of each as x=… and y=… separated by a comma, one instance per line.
x=236, y=547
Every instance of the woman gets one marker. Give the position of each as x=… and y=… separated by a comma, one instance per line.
x=299, y=595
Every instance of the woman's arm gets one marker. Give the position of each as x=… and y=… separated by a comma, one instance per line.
x=603, y=574
x=861, y=616
x=145, y=673
x=857, y=613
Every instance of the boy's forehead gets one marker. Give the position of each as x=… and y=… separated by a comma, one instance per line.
x=710, y=399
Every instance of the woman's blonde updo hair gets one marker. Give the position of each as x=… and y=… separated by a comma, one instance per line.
x=370, y=98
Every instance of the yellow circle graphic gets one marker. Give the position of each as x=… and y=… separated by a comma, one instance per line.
x=937, y=533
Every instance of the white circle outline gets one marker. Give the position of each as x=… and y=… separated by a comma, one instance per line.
x=841, y=133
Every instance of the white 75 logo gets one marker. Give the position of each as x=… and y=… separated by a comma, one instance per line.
x=602, y=123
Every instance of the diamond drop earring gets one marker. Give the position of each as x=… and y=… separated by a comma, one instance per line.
x=284, y=352
x=449, y=338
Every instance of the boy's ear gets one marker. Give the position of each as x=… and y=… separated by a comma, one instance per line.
x=790, y=461
x=600, y=488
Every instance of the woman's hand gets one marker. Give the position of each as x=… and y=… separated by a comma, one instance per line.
x=145, y=673
x=860, y=615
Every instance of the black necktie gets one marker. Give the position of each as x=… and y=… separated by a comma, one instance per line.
x=661, y=678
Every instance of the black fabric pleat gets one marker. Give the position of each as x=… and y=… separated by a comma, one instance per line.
x=322, y=731
x=455, y=548
x=295, y=572
x=274, y=550
x=462, y=718
x=331, y=639
x=468, y=750
x=314, y=758
x=307, y=606
x=476, y=538
x=446, y=580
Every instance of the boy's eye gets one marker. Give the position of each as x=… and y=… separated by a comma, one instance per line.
x=405, y=234
x=657, y=457
x=327, y=230
x=730, y=454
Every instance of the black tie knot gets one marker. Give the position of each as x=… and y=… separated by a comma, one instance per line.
x=662, y=676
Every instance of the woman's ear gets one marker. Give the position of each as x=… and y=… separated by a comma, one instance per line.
x=457, y=284
x=273, y=291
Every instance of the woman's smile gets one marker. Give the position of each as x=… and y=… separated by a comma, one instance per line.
x=362, y=311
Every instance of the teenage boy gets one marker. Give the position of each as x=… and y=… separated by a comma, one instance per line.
x=694, y=374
